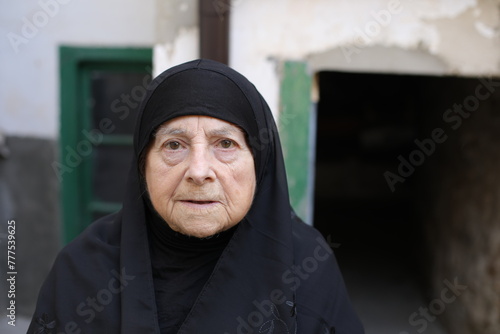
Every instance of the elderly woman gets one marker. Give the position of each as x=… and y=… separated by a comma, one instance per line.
x=206, y=241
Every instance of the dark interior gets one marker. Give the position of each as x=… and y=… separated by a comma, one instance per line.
x=364, y=123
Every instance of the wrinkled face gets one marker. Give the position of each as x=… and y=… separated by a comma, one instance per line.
x=200, y=175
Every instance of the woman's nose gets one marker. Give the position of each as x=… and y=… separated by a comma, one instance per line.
x=200, y=166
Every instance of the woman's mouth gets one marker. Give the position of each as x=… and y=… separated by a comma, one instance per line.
x=199, y=204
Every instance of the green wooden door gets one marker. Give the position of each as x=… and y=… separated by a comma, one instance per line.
x=101, y=90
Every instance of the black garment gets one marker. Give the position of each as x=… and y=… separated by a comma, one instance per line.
x=276, y=274
x=181, y=267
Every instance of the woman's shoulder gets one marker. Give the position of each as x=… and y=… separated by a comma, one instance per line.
x=306, y=237
x=86, y=274
x=101, y=239
x=90, y=257
x=322, y=299
x=314, y=257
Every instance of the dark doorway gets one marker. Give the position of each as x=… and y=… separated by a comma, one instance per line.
x=367, y=125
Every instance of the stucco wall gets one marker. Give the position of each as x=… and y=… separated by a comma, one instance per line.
x=29, y=195
x=31, y=32
x=461, y=205
x=444, y=37
x=177, y=33
x=454, y=37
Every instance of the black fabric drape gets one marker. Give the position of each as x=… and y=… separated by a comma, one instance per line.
x=181, y=266
x=276, y=274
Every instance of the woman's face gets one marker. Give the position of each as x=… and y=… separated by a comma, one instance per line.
x=200, y=175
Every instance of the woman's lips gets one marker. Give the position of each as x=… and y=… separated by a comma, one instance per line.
x=199, y=204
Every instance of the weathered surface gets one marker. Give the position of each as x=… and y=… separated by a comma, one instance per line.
x=463, y=207
x=29, y=195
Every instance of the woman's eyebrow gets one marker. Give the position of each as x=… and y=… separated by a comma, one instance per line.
x=224, y=131
x=219, y=132
x=168, y=131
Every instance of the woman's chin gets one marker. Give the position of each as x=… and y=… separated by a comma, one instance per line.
x=204, y=230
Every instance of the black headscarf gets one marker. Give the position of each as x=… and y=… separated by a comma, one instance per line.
x=276, y=275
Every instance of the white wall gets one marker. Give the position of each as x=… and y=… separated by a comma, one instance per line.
x=177, y=33
x=458, y=37
x=29, y=70
x=426, y=36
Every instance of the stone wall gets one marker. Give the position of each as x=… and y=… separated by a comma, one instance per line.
x=29, y=194
x=461, y=205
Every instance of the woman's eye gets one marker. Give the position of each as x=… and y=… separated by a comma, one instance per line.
x=226, y=143
x=173, y=145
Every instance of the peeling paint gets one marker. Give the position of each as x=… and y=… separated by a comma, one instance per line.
x=444, y=9
x=460, y=33
x=304, y=28
x=172, y=16
x=486, y=31
x=462, y=36
x=184, y=47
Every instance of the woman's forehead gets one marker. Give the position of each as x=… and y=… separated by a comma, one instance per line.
x=193, y=124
